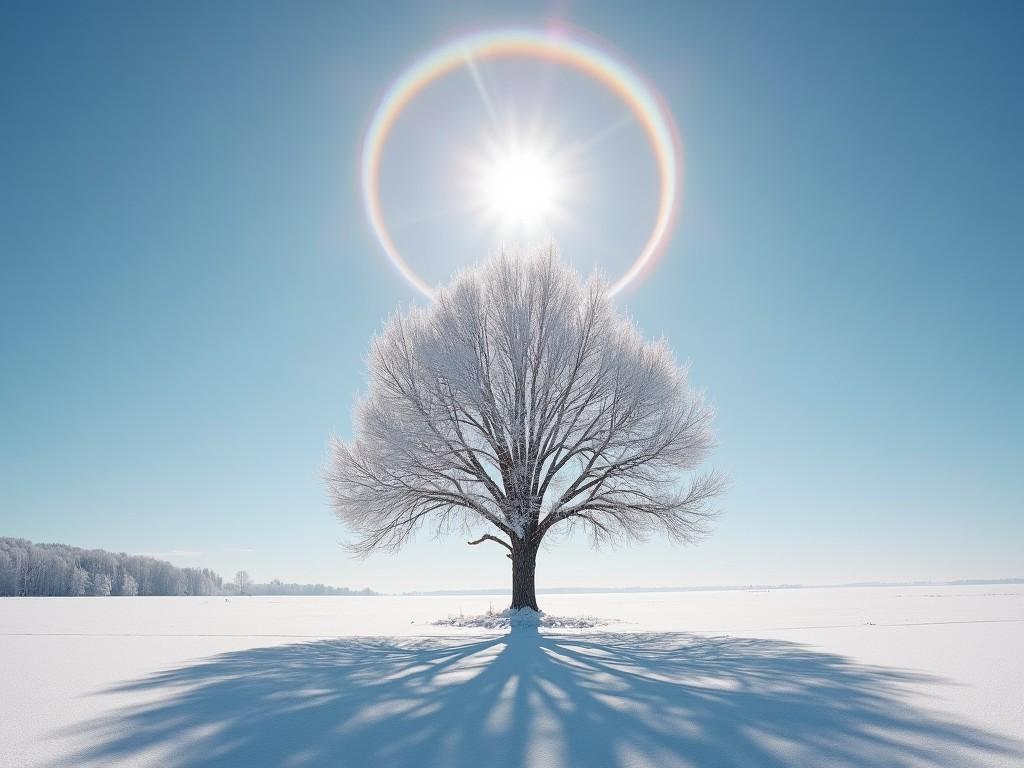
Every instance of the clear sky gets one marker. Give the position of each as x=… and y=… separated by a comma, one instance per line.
x=189, y=283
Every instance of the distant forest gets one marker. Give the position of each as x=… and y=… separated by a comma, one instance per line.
x=58, y=570
x=276, y=587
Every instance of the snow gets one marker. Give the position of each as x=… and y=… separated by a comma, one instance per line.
x=522, y=617
x=894, y=676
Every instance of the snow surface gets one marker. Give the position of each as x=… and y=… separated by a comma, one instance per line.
x=896, y=676
x=522, y=617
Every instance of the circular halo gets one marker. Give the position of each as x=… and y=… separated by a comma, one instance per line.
x=551, y=45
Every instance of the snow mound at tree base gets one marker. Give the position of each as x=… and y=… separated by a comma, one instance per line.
x=523, y=617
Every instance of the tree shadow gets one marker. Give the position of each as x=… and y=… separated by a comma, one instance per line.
x=532, y=699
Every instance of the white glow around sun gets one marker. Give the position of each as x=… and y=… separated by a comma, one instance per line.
x=520, y=187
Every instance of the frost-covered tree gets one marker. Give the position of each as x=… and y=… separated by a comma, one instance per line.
x=518, y=401
x=201, y=581
x=129, y=587
x=242, y=581
x=79, y=581
x=58, y=569
x=8, y=573
x=100, y=585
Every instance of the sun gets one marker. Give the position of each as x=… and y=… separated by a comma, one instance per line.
x=520, y=187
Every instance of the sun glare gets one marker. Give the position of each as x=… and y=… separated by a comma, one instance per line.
x=520, y=188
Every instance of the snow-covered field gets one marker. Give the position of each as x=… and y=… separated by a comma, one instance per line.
x=896, y=676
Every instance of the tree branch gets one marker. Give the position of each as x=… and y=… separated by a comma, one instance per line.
x=488, y=537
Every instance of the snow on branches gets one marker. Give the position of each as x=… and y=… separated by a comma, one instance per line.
x=517, y=401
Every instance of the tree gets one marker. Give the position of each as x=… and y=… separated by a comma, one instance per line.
x=242, y=581
x=518, y=401
x=8, y=573
x=129, y=587
x=100, y=585
x=79, y=581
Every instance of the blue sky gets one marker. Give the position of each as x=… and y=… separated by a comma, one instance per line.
x=189, y=284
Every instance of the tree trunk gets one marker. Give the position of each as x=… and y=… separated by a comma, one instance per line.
x=524, y=567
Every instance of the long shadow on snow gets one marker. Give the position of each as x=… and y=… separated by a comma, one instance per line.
x=535, y=699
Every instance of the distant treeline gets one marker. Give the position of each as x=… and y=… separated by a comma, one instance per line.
x=57, y=570
x=276, y=587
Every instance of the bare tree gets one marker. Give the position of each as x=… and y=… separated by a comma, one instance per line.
x=242, y=581
x=520, y=400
